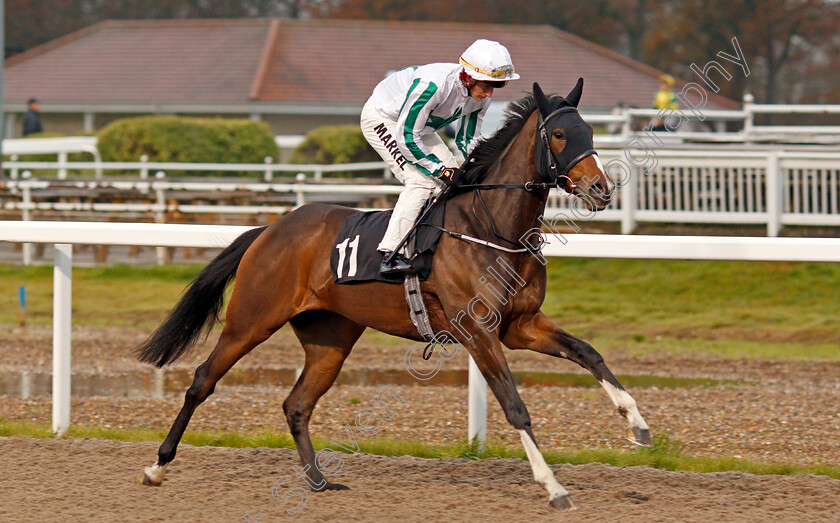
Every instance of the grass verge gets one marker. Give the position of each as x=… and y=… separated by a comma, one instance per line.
x=667, y=453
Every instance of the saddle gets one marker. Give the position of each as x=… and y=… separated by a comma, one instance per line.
x=354, y=258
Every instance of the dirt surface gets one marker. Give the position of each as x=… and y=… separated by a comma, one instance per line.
x=96, y=480
x=772, y=411
x=109, y=349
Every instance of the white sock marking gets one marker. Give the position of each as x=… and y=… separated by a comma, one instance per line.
x=155, y=472
x=622, y=400
x=542, y=474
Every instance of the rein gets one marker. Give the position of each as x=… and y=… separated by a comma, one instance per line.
x=528, y=186
x=550, y=168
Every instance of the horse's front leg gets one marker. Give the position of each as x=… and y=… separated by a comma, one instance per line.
x=490, y=360
x=536, y=332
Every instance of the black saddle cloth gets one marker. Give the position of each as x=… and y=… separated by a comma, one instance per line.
x=354, y=258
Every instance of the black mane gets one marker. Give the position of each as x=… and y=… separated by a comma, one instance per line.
x=487, y=151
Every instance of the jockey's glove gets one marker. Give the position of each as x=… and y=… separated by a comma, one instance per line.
x=449, y=176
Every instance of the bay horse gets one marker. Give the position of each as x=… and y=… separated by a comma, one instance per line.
x=282, y=275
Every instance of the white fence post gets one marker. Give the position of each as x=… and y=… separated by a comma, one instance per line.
x=62, y=300
x=300, y=199
x=268, y=172
x=26, y=215
x=630, y=201
x=13, y=172
x=774, y=194
x=62, y=165
x=626, y=124
x=160, y=215
x=748, y=117
x=477, y=402
x=144, y=169
x=25, y=384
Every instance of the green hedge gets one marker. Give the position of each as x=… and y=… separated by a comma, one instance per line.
x=179, y=139
x=335, y=144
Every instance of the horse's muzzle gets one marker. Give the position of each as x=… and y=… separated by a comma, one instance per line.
x=598, y=197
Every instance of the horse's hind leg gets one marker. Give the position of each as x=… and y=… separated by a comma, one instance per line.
x=327, y=339
x=244, y=329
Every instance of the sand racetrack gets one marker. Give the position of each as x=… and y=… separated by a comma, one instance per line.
x=96, y=480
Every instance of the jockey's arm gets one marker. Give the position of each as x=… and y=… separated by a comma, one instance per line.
x=414, y=114
x=469, y=129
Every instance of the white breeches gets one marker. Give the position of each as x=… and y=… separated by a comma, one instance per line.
x=418, y=186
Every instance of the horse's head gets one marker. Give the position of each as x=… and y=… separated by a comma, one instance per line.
x=564, y=152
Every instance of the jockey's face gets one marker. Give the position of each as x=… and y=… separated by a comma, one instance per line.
x=481, y=90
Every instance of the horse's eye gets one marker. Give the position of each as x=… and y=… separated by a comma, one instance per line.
x=560, y=134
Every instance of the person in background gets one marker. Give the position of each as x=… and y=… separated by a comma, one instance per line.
x=32, y=118
x=401, y=119
x=664, y=97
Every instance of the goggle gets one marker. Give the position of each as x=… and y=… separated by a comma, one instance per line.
x=499, y=72
x=493, y=84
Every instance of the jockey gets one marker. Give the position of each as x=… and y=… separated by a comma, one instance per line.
x=401, y=119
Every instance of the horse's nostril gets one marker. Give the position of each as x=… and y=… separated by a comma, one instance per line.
x=598, y=189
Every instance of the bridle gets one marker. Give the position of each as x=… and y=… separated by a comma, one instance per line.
x=550, y=168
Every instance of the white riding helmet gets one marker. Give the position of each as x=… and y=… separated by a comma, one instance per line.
x=488, y=61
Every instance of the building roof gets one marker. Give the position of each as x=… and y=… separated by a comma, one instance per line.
x=142, y=61
x=283, y=61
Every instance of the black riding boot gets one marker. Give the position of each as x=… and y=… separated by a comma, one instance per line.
x=397, y=265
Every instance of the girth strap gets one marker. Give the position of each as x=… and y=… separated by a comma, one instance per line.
x=417, y=310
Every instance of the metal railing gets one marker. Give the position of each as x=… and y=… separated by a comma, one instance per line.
x=773, y=188
x=61, y=147
x=622, y=121
x=155, y=197
x=746, y=129
x=144, y=167
x=770, y=187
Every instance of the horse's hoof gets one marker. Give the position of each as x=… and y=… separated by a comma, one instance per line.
x=145, y=479
x=332, y=486
x=153, y=476
x=563, y=503
x=640, y=437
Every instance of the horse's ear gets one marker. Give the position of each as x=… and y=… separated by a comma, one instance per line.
x=543, y=105
x=574, y=95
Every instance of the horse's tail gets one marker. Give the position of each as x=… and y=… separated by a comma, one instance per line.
x=198, y=308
